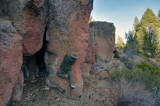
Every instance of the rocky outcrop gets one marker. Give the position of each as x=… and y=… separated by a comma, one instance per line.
x=102, y=36
x=10, y=63
x=101, y=45
x=64, y=26
x=29, y=17
x=68, y=33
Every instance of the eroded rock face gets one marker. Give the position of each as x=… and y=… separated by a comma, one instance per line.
x=68, y=33
x=66, y=25
x=29, y=17
x=10, y=62
x=101, y=43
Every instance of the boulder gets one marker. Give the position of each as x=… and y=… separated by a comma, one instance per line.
x=104, y=75
x=102, y=36
x=10, y=61
x=67, y=33
x=154, y=62
x=101, y=44
x=29, y=17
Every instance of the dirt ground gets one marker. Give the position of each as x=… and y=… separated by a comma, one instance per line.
x=96, y=92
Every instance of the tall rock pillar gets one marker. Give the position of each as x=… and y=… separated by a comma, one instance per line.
x=67, y=33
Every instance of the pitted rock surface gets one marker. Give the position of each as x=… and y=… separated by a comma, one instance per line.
x=10, y=61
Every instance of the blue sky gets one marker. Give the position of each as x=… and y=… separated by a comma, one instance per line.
x=122, y=12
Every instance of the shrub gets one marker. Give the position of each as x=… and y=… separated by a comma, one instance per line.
x=145, y=66
x=115, y=74
x=150, y=75
x=129, y=64
x=116, y=54
x=135, y=94
x=143, y=73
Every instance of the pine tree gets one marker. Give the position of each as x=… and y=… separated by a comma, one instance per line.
x=136, y=22
x=120, y=43
x=147, y=34
x=131, y=44
x=159, y=14
x=130, y=36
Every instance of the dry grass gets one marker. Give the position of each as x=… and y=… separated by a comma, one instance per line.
x=135, y=94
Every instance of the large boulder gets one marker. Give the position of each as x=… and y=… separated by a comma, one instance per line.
x=103, y=38
x=68, y=33
x=101, y=44
x=29, y=17
x=10, y=63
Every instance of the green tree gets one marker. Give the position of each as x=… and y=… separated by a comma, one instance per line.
x=91, y=19
x=147, y=33
x=159, y=14
x=120, y=43
x=136, y=22
x=131, y=43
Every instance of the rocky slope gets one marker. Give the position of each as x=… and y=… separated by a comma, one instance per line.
x=97, y=91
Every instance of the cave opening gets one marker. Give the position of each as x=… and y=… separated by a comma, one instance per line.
x=40, y=56
x=34, y=67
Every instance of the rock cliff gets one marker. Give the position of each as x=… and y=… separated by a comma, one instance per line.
x=68, y=33
x=49, y=29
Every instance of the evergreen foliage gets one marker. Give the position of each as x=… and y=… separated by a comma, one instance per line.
x=136, y=22
x=91, y=19
x=142, y=72
x=131, y=44
x=159, y=14
x=116, y=54
x=148, y=34
x=120, y=43
x=145, y=35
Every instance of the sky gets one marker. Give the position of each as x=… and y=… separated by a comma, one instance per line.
x=122, y=12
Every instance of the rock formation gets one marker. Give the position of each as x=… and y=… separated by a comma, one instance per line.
x=29, y=17
x=102, y=37
x=61, y=27
x=10, y=63
x=66, y=25
x=68, y=33
x=100, y=47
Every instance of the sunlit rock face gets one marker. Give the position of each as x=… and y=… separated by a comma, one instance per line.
x=64, y=26
x=68, y=33
x=101, y=44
